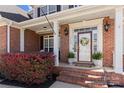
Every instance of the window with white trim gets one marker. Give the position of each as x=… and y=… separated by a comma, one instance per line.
x=48, y=43
x=52, y=8
x=95, y=42
x=44, y=9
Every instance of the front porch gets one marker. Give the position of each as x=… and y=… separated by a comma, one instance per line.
x=63, y=37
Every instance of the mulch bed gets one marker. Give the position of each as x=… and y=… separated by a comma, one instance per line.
x=50, y=80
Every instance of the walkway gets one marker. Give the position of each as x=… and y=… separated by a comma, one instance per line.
x=59, y=84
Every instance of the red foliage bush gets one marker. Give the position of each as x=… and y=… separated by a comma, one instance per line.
x=26, y=68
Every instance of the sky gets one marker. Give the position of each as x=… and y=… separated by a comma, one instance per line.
x=25, y=7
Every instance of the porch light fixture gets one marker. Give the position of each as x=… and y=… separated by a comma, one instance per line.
x=66, y=31
x=44, y=27
x=106, y=24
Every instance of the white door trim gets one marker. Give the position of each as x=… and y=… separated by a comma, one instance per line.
x=86, y=24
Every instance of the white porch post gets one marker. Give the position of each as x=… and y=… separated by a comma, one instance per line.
x=8, y=38
x=56, y=42
x=118, y=56
x=22, y=40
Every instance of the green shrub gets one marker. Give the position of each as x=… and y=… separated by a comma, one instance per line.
x=97, y=55
x=71, y=55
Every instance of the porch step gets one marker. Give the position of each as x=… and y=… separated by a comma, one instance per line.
x=94, y=85
x=85, y=64
x=96, y=72
x=86, y=78
x=82, y=76
x=84, y=83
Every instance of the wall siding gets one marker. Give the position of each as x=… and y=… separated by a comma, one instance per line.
x=14, y=39
x=3, y=39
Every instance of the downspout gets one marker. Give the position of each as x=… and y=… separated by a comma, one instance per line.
x=8, y=37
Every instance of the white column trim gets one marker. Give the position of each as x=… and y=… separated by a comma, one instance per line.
x=56, y=42
x=22, y=40
x=8, y=38
x=118, y=53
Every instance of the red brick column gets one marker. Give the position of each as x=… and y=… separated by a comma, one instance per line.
x=108, y=46
x=64, y=43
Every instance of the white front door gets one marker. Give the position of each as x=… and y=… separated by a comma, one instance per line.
x=84, y=46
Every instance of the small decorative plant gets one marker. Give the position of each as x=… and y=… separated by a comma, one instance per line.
x=97, y=56
x=71, y=55
x=71, y=58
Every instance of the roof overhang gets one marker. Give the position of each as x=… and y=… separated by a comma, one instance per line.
x=68, y=14
x=82, y=13
x=5, y=21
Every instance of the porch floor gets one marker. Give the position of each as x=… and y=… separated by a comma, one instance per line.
x=59, y=84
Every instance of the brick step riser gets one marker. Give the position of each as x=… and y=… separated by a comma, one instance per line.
x=94, y=85
x=70, y=78
x=73, y=74
x=82, y=73
x=84, y=65
x=84, y=78
x=73, y=81
x=88, y=78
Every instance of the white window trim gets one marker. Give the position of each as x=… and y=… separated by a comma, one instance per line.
x=8, y=39
x=48, y=38
x=43, y=11
x=53, y=10
x=47, y=9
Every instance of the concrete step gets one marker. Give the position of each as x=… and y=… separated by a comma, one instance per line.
x=59, y=84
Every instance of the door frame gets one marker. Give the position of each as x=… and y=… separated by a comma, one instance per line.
x=90, y=32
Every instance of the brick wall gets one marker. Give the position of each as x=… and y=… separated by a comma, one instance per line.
x=115, y=78
x=64, y=44
x=108, y=46
x=32, y=43
x=14, y=39
x=3, y=39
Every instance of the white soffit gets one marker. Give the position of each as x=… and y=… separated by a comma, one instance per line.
x=70, y=13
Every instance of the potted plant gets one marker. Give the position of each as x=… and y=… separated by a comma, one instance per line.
x=97, y=59
x=71, y=58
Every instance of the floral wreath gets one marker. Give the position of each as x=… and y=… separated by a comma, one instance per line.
x=84, y=41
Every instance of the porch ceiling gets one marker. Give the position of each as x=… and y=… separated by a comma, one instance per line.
x=41, y=28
